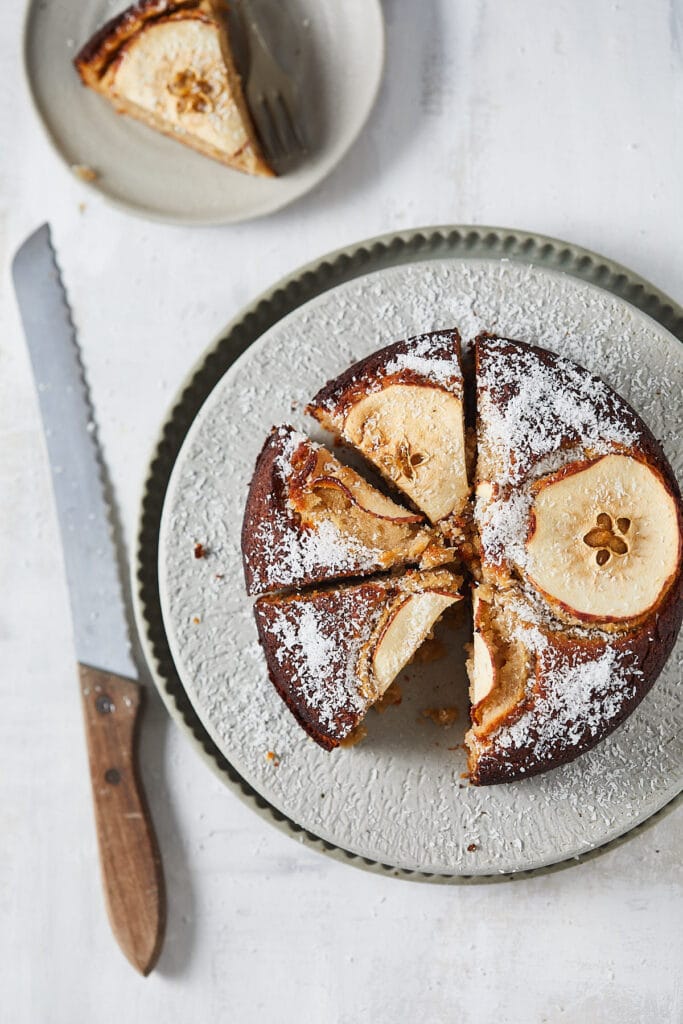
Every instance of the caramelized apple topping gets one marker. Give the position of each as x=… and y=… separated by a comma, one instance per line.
x=407, y=460
x=605, y=539
x=193, y=92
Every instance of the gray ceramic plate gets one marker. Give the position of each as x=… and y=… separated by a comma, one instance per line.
x=334, y=52
x=398, y=799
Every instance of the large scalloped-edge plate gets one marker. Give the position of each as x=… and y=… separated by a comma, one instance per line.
x=333, y=51
x=398, y=800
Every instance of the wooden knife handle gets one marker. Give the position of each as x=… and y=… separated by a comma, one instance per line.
x=129, y=856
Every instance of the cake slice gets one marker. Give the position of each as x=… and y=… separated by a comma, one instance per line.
x=542, y=692
x=308, y=519
x=169, y=64
x=332, y=653
x=579, y=528
x=573, y=493
x=403, y=409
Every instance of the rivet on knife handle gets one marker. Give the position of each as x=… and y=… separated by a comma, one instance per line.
x=131, y=866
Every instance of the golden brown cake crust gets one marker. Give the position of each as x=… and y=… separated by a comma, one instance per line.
x=95, y=56
x=266, y=501
x=641, y=656
x=344, y=620
x=616, y=413
x=373, y=372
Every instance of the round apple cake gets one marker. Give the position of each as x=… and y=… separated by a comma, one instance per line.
x=527, y=477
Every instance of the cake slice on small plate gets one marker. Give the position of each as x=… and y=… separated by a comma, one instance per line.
x=308, y=518
x=332, y=653
x=169, y=64
x=403, y=409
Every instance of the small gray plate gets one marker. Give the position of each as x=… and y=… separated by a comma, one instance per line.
x=334, y=52
x=397, y=800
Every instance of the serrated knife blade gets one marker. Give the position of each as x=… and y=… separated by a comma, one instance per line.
x=99, y=619
x=129, y=858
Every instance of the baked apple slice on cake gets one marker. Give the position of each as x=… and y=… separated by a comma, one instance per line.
x=309, y=518
x=573, y=493
x=169, y=64
x=403, y=409
x=333, y=653
x=604, y=540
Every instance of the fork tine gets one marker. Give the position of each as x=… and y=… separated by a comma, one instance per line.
x=270, y=92
x=269, y=128
x=290, y=123
x=276, y=122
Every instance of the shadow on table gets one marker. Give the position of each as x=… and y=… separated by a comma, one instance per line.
x=176, y=951
x=410, y=89
x=155, y=725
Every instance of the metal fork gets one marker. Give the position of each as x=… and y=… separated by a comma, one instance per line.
x=271, y=95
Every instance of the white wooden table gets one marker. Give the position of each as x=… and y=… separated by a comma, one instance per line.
x=563, y=118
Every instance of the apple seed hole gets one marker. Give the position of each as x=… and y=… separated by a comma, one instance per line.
x=605, y=539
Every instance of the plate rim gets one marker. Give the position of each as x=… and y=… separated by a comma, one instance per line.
x=247, y=326
x=144, y=213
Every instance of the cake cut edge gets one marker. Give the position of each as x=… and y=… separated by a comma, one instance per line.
x=333, y=653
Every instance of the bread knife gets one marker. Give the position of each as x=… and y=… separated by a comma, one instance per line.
x=111, y=697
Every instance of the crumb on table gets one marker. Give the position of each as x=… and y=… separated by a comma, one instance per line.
x=356, y=735
x=84, y=172
x=440, y=716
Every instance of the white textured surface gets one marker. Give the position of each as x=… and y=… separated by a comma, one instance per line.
x=395, y=798
x=555, y=117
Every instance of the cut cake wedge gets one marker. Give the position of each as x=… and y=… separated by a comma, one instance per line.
x=169, y=64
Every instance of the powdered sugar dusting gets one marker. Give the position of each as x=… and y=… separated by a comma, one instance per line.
x=302, y=555
x=543, y=405
x=324, y=662
x=426, y=357
x=286, y=553
x=579, y=699
x=294, y=555
x=503, y=524
x=289, y=441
